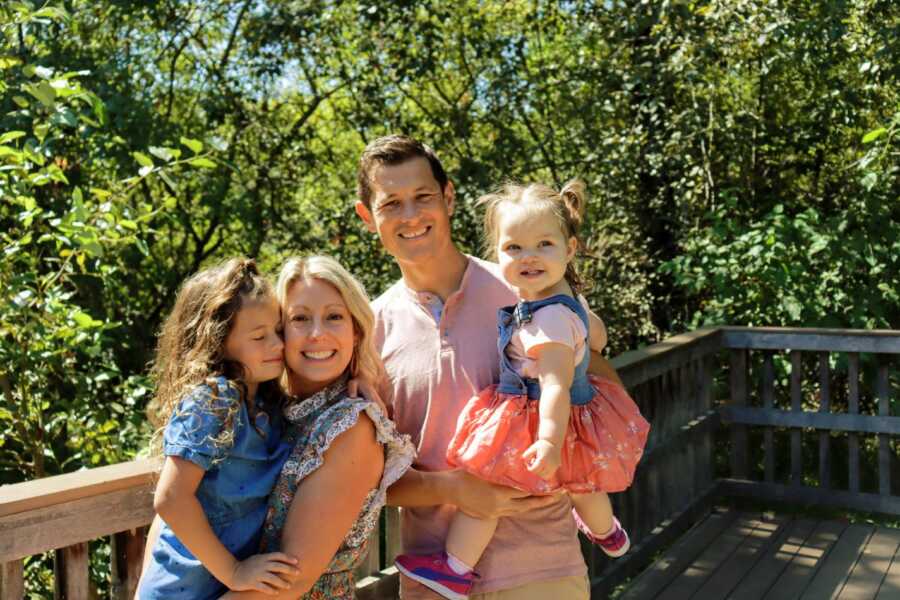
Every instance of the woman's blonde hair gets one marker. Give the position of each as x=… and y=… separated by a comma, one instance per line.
x=191, y=348
x=366, y=363
x=567, y=206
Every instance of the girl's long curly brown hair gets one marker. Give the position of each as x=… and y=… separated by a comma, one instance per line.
x=191, y=348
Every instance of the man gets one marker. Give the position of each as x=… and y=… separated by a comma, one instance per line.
x=437, y=333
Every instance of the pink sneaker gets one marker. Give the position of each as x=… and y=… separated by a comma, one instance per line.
x=615, y=544
x=432, y=571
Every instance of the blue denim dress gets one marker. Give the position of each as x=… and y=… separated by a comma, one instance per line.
x=234, y=491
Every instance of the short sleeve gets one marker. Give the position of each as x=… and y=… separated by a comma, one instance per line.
x=198, y=421
x=554, y=323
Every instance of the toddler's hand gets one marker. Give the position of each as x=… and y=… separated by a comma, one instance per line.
x=542, y=458
x=265, y=573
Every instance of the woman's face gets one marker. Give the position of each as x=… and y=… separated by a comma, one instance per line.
x=318, y=336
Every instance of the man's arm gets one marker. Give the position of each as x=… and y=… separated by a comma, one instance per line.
x=601, y=368
x=471, y=495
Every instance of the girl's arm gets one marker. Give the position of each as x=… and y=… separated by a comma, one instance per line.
x=326, y=505
x=175, y=501
x=556, y=368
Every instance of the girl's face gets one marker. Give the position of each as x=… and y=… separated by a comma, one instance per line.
x=532, y=251
x=318, y=336
x=255, y=340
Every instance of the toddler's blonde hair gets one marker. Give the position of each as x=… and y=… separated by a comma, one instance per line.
x=566, y=206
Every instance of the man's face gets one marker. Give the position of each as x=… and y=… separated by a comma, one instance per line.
x=409, y=211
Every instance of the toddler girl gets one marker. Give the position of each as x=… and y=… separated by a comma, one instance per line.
x=547, y=425
x=216, y=372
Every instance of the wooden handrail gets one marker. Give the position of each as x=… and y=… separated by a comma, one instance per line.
x=87, y=483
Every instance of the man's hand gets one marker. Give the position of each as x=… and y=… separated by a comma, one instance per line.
x=265, y=573
x=484, y=500
x=543, y=458
x=359, y=385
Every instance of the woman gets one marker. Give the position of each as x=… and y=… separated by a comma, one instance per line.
x=324, y=516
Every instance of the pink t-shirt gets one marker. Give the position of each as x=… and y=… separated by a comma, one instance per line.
x=435, y=368
x=553, y=323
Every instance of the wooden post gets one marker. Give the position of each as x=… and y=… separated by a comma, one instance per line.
x=127, y=549
x=824, y=435
x=71, y=572
x=12, y=580
x=853, y=409
x=884, y=441
x=796, y=406
x=739, y=462
x=768, y=399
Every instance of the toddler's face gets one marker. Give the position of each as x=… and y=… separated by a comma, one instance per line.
x=318, y=335
x=255, y=340
x=532, y=251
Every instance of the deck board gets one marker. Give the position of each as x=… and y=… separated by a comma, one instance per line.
x=803, y=566
x=748, y=556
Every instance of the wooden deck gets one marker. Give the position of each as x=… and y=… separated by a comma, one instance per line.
x=746, y=556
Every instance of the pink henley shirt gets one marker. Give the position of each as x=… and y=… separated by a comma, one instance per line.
x=434, y=369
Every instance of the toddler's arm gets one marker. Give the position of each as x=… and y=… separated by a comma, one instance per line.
x=556, y=368
x=176, y=503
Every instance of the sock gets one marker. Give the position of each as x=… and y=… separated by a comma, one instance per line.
x=457, y=566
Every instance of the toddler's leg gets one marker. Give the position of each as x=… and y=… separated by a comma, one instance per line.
x=595, y=511
x=451, y=573
x=468, y=537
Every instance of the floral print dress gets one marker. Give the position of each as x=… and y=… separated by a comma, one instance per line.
x=313, y=425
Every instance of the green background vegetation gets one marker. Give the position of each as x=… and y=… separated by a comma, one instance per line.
x=743, y=159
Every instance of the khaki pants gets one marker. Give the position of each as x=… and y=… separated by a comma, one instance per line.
x=565, y=588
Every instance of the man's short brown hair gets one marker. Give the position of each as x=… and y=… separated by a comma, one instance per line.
x=393, y=150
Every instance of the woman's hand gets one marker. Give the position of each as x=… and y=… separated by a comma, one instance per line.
x=543, y=458
x=265, y=573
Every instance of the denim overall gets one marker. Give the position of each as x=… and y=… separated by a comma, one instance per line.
x=509, y=318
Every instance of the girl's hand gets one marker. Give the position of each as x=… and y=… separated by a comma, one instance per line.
x=266, y=573
x=543, y=458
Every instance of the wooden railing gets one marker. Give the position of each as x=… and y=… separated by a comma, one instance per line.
x=810, y=405
x=675, y=383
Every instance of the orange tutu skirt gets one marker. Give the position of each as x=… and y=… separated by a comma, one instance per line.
x=604, y=441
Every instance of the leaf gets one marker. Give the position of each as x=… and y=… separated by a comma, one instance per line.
x=43, y=92
x=144, y=171
x=874, y=135
x=43, y=72
x=128, y=224
x=21, y=101
x=195, y=145
x=143, y=159
x=204, y=163
x=11, y=135
x=84, y=320
x=163, y=153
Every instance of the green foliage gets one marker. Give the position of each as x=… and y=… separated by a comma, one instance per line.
x=742, y=159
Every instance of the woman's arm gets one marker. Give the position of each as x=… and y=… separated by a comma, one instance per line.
x=176, y=503
x=556, y=368
x=326, y=505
